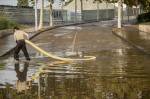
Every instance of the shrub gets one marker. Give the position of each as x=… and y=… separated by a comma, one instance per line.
x=7, y=24
x=144, y=17
x=3, y=23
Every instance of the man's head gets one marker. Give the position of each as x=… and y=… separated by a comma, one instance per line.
x=16, y=28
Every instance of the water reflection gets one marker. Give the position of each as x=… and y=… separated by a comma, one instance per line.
x=115, y=74
x=21, y=83
x=138, y=38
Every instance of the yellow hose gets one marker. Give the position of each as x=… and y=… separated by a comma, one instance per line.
x=56, y=57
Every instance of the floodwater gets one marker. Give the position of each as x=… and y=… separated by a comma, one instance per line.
x=115, y=74
x=139, y=38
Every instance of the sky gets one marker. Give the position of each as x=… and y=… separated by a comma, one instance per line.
x=14, y=3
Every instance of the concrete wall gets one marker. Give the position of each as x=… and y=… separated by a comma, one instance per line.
x=26, y=14
x=144, y=28
x=92, y=14
x=88, y=15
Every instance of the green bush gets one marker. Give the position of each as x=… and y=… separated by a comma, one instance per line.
x=3, y=23
x=144, y=17
x=7, y=24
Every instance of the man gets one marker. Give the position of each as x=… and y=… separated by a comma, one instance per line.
x=20, y=40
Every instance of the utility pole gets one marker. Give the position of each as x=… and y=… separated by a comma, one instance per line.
x=36, y=25
x=119, y=13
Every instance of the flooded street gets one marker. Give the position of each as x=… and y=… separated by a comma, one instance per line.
x=116, y=74
x=119, y=72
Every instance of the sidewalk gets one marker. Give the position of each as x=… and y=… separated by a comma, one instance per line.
x=137, y=39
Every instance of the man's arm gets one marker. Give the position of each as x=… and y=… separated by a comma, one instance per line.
x=27, y=35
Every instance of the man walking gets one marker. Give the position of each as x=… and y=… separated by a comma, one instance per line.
x=20, y=40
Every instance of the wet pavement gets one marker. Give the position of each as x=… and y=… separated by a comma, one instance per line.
x=136, y=37
x=119, y=72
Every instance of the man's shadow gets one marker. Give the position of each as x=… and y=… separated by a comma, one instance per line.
x=21, y=83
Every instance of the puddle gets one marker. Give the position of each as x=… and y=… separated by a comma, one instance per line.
x=71, y=27
x=116, y=74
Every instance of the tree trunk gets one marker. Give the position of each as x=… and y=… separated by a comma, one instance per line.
x=81, y=10
x=51, y=15
x=119, y=13
x=114, y=11
x=128, y=13
x=107, y=11
x=136, y=12
x=122, y=9
x=139, y=9
x=97, y=10
x=41, y=15
x=62, y=13
x=75, y=16
x=39, y=87
x=36, y=25
x=133, y=11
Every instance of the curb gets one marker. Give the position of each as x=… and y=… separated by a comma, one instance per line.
x=131, y=44
x=6, y=32
x=44, y=30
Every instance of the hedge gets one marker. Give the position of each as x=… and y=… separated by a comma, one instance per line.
x=144, y=17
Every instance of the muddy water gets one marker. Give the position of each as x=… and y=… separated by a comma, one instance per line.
x=115, y=74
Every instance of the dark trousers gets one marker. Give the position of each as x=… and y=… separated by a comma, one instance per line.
x=21, y=45
x=21, y=75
